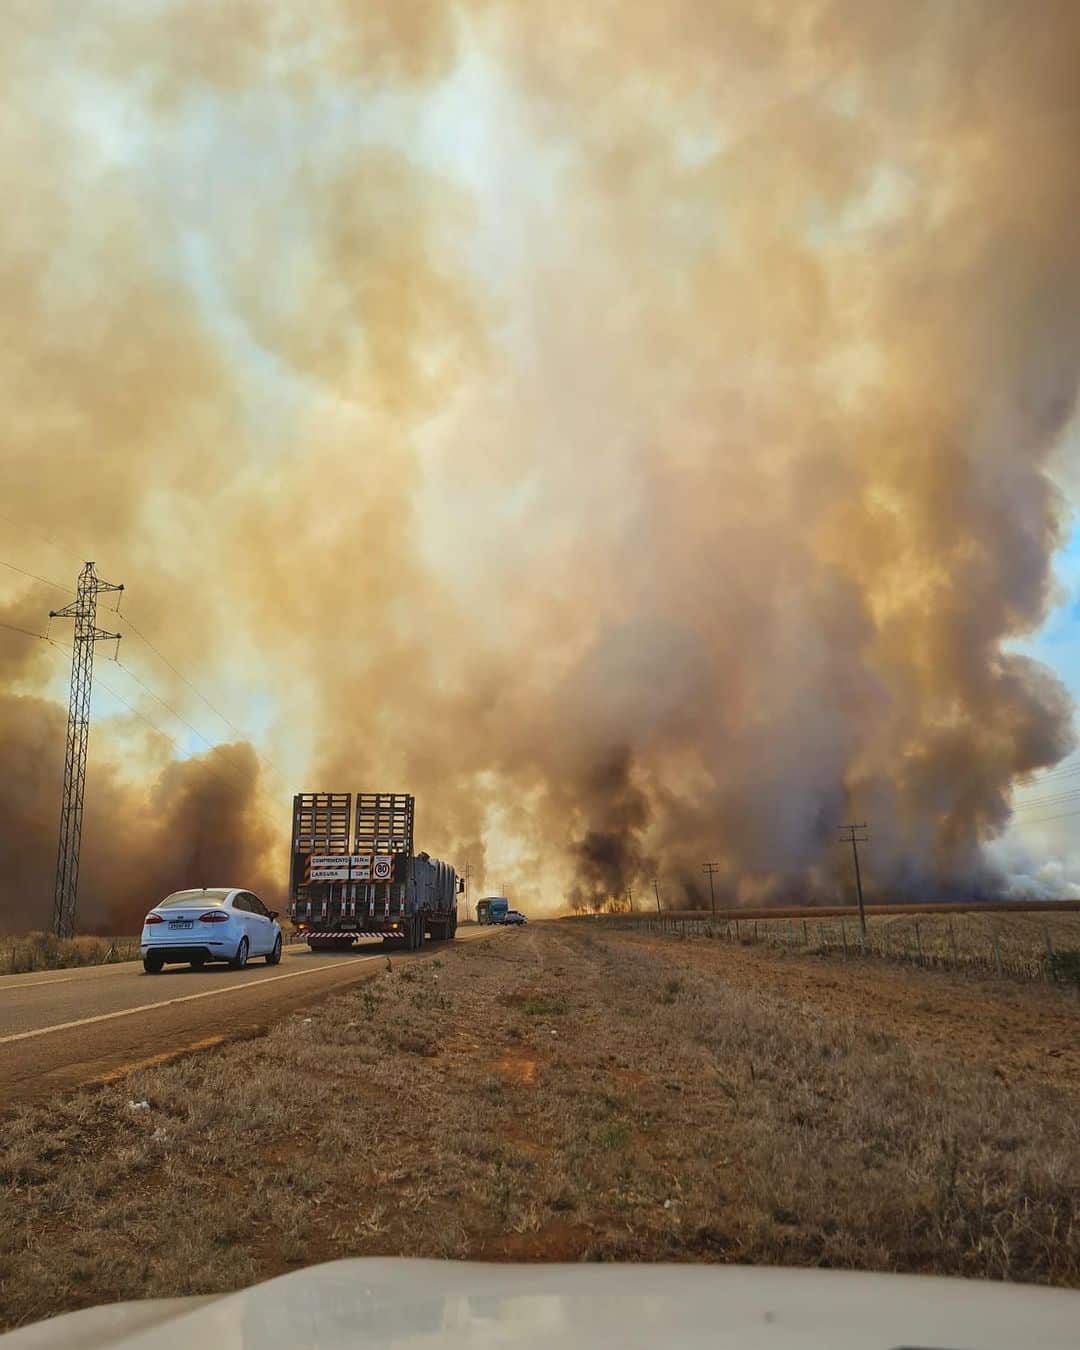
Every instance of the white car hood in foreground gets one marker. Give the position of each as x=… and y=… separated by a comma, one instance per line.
x=420, y=1305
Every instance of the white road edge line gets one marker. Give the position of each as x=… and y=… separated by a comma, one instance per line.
x=37, y=984
x=185, y=998
x=112, y=968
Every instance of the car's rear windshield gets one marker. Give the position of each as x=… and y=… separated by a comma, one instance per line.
x=215, y=897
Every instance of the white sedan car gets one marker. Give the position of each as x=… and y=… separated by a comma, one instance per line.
x=220, y=924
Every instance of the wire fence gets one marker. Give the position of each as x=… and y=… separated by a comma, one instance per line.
x=929, y=942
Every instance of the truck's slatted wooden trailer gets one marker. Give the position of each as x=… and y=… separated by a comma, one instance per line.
x=379, y=886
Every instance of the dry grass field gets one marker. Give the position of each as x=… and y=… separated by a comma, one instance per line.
x=44, y=951
x=560, y=1093
x=1013, y=945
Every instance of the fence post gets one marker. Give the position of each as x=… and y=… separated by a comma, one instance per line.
x=997, y=955
x=755, y=930
x=952, y=940
x=736, y=930
x=843, y=935
x=805, y=934
x=821, y=937
x=918, y=941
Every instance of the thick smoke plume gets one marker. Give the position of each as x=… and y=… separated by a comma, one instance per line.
x=189, y=822
x=631, y=428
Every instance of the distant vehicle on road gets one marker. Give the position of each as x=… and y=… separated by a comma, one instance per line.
x=492, y=910
x=216, y=924
x=515, y=916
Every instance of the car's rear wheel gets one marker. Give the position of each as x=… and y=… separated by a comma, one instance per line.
x=275, y=956
x=153, y=965
x=240, y=960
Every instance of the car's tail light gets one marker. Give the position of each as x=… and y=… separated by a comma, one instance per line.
x=215, y=916
x=153, y=918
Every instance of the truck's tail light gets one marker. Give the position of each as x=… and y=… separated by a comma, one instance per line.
x=153, y=918
x=215, y=916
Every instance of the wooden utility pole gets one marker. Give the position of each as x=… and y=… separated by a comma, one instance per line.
x=854, y=838
x=656, y=891
x=711, y=869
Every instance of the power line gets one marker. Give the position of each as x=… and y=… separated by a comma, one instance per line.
x=1045, y=820
x=173, y=741
x=123, y=618
x=210, y=745
x=66, y=549
x=1052, y=800
x=167, y=706
x=1053, y=777
x=34, y=577
x=214, y=769
x=16, y=629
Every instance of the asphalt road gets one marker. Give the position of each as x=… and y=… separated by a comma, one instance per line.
x=64, y=1028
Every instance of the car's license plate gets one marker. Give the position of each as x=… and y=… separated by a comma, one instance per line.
x=181, y=923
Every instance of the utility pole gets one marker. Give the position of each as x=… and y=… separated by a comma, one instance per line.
x=83, y=609
x=630, y=898
x=656, y=892
x=468, y=874
x=854, y=838
x=711, y=870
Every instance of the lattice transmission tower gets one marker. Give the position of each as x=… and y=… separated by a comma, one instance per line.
x=83, y=609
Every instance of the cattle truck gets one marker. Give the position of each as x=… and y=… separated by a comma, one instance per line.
x=353, y=877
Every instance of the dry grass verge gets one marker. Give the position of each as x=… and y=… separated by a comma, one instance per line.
x=45, y=951
x=547, y=1095
x=1027, y=946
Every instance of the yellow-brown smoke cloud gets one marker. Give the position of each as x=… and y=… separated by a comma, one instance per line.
x=628, y=427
